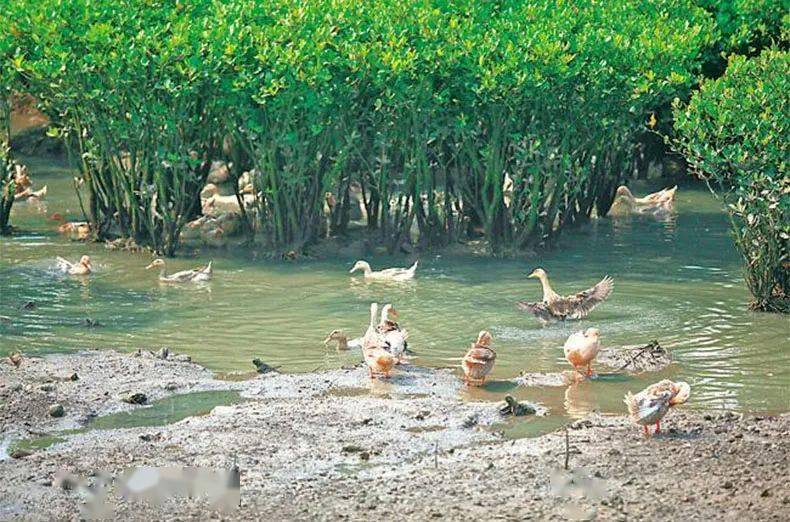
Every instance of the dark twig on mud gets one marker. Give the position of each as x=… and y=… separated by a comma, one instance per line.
x=567, y=449
x=652, y=348
x=436, y=455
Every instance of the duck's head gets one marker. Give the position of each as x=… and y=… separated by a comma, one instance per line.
x=594, y=333
x=85, y=261
x=360, y=265
x=484, y=338
x=330, y=199
x=335, y=335
x=538, y=273
x=623, y=192
x=209, y=190
x=389, y=313
x=156, y=263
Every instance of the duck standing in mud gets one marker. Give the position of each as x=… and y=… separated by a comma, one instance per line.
x=379, y=361
x=555, y=307
x=651, y=404
x=393, y=335
x=479, y=360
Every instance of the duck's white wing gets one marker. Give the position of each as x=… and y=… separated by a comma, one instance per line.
x=64, y=265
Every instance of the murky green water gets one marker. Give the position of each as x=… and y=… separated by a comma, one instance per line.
x=678, y=282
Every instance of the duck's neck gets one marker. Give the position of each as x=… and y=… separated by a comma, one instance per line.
x=163, y=272
x=548, y=293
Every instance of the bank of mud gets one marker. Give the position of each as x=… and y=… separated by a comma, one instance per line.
x=333, y=445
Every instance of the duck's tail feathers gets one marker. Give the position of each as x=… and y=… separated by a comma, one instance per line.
x=413, y=268
x=633, y=407
x=210, y=267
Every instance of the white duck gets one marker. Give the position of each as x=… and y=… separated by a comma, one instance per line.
x=393, y=336
x=195, y=275
x=651, y=404
x=582, y=347
x=82, y=267
x=378, y=359
x=389, y=274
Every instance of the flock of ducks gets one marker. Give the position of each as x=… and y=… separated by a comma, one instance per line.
x=384, y=343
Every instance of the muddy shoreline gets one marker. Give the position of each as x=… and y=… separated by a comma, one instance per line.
x=333, y=445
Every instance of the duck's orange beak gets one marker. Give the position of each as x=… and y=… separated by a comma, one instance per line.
x=533, y=275
x=149, y=267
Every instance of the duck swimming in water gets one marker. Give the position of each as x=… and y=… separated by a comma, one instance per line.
x=555, y=307
x=82, y=267
x=195, y=275
x=661, y=202
x=389, y=274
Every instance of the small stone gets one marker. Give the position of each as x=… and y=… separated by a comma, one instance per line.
x=727, y=485
x=171, y=386
x=136, y=398
x=74, y=377
x=56, y=410
x=766, y=493
x=163, y=353
x=20, y=453
x=182, y=358
x=47, y=387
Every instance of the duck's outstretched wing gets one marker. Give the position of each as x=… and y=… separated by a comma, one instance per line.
x=539, y=310
x=63, y=264
x=579, y=305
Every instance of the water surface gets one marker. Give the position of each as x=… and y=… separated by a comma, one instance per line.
x=677, y=281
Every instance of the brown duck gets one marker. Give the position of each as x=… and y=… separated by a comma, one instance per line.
x=555, y=307
x=479, y=360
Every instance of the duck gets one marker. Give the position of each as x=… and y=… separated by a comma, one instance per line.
x=650, y=405
x=393, y=335
x=82, y=267
x=29, y=193
x=15, y=358
x=195, y=275
x=79, y=230
x=555, y=307
x=582, y=347
x=389, y=274
x=342, y=340
x=479, y=360
x=379, y=361
x=662, y=201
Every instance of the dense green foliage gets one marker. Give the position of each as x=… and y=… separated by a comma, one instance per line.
x=734, y=134
x=427, y=105
x=748, y=25
x=7, y=82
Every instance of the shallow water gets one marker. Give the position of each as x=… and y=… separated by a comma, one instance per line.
x=677, y=281
x=159, y=413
